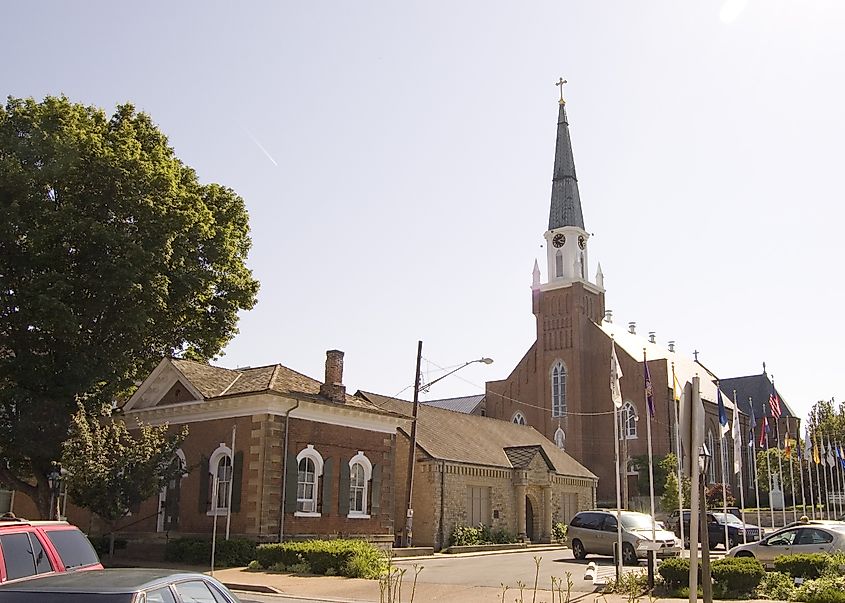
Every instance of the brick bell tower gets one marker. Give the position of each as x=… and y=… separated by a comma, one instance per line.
x=564, y=306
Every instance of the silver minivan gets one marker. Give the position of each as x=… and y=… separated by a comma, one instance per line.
x=594, y=532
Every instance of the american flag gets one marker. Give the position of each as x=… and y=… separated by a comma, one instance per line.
x=774, y=404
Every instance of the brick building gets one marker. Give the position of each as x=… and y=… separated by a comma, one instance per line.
x=472, y=470
x=561, y=384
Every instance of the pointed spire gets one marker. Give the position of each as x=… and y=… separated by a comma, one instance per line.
x=600, y=277
x=535, y=278
x=566, y=202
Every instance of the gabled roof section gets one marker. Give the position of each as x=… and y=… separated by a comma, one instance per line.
x=521, y=456
x=464, y=404
x=472, y=439
x=758, y=388
x=566, y=202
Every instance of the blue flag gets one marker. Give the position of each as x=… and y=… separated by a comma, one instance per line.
x=751, y=424
x=723, y=416
x=649, y=390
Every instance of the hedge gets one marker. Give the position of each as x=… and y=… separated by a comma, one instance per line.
x=803, y=565
x=733, y=575
x=236, y=552
x=351, y=558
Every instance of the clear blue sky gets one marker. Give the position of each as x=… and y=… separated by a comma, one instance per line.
x=396, y=161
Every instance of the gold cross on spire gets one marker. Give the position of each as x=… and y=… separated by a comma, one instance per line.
x=560, y=84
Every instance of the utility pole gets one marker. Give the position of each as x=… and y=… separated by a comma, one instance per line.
x=409, y=509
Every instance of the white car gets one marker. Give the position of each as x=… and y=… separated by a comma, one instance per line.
x=813, y=537
x=595, y=532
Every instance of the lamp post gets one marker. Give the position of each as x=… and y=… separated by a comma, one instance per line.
x=409, y=509
x=704, y=457
x=54, y=479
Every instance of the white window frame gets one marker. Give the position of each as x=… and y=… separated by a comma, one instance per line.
x=560, y=438
x=519, y=418
x=629, y=421
x=362, y=460
x=310, y=453
x=222, y=452
x=558, y=387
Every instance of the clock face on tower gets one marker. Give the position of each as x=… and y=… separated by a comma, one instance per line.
x=582, y=242
x=558, y=240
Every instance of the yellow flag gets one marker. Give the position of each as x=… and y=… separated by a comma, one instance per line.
x=816, y=458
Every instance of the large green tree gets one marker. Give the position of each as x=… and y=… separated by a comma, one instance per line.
x=110, y=470
x=112, y=255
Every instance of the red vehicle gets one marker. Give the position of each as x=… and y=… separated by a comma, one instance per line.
x=35, y=548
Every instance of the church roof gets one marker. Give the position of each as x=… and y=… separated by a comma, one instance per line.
x=472, y=439
x=758, y=388
x=566, y=202
x=685, y=368
x=464, y=404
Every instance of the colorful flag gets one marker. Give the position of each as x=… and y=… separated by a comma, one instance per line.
x=751, y=424
x=723, y=416
x=615, y=376
x=816, y=457
x=774, y=404
x=787, y=446
x=649, y=390
x=808, y=445
x=676, y=386
x=830, y=460
x=764, y=429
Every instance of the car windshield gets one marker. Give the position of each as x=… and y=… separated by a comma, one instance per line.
x=638, y=521
x=727, y=518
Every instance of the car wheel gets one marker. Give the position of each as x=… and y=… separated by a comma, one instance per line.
x=732, y=542
x=629, y=555
x=747, y=554
x=578, y=550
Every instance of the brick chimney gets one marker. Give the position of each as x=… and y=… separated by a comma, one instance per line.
x=333, y=387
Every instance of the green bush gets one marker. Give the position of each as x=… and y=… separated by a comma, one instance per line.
x=502, y=536
x=737, y=575
x=465, y=536
x=777, y=586
x=101, y=544
x=559, y=532
x=822, y=590
x=350, y=558
x=674, y=571
x=197, y=551
x=805, y=565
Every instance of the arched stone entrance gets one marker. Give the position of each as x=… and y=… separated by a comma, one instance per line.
x=529, y=519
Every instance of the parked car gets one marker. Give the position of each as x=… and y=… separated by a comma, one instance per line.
x=816, y=537
x=33, y=548
x=738, y=532
x=119, y=586
x=595, y=532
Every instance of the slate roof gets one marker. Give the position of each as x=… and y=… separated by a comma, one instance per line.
x=521, y=456
x=464, y=404
x=758, y=388
x=216, y=382
x=565, y=208
x=462, y=438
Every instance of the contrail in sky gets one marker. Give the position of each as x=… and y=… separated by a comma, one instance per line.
x=260, y=146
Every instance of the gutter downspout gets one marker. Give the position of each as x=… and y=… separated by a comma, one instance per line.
x=285, y=473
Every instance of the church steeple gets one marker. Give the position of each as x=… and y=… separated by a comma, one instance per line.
x=566, y=202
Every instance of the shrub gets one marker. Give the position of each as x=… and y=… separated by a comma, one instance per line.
x=559, y=532
x=805, y=565
x=197, y=551
x=737, y=575
x=822, y=590
x=465, y=536
x=674, y=571
x=101, y=544
x=350, y=558
x=777, y=586
x=502, y=536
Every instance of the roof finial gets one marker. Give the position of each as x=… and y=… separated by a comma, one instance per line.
x=560, y=84
x=695, y=353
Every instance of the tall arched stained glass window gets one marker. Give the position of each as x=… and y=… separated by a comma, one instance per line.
x=558, y=389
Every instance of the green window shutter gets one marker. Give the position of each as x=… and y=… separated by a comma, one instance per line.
x=343, y=489
x=237, y=481
x=375, y=489
x=328, y=486
x=204, y=500
x=291, y=480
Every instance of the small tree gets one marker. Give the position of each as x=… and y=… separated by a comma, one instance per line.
x=669, y=499
x=713, y=496
x=111, y=470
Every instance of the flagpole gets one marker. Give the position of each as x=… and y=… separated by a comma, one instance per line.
x=838, y=464
x=823, y=459
x=723, y=415
x=754, y=464
x=832, y=480
x=616, y=398
x=809, y=455
x=791, y=479
x=649, y=403
x=677, y=401
x=737, y=438
x=817, y=461
x=769, y=467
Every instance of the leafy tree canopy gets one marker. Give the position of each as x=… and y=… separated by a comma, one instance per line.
x=112, y=255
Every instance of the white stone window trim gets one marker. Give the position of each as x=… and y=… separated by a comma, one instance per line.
x=367, y=466
x=558, y=371
x=218, y=455
x=310, y=453
x=519, y=418
x=629, y=409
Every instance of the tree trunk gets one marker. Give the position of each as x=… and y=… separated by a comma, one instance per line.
x=39, y=493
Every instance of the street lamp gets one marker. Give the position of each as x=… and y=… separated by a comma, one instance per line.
x=409, y=510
